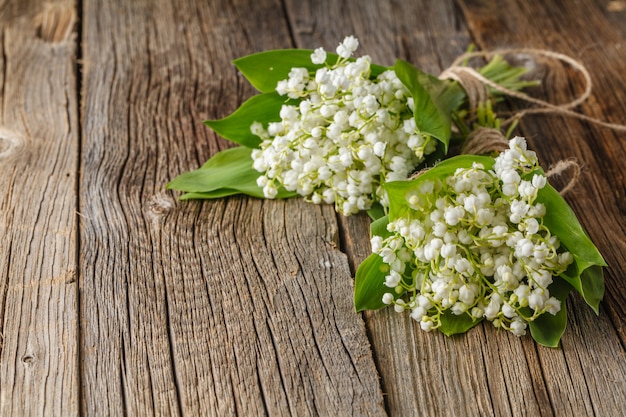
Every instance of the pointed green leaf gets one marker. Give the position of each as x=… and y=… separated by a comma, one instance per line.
x=231, y=168
x=262, y=108
x=226, y=192
x=228, y=172
x=265, y=69
x=430, y=119
x=235, y=155
x=211, y=195
x=548, y=329
x=592, y=280
x=376, y=211
x=586, y=274
x=453, y=324
x=379, y=227
x=369, y=286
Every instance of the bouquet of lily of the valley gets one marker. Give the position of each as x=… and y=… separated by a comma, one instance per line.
x=476, y=238
x=334, y=129
x=463, y=240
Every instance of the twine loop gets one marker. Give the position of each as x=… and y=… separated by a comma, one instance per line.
x=487, y=140
x=476, y=86
x=562, y=166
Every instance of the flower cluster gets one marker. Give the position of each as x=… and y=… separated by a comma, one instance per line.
x=474, y=243
x=349, y=134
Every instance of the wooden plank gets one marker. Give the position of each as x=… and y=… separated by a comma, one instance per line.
x=219, y=308
x=38, y=160
x=421, y=374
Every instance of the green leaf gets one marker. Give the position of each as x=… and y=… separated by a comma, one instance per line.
x=211, y=195
x=369, y=284
x=548, y=329
x=592, y=280
x=237, y=154
x=379, y=227
x=228, y=172
x=453, y=324
x=265, y=69
x=586, y=274
x=430, y=118
x=226, y=192
x=397, y=190
x=376, y=211
x=262, y=108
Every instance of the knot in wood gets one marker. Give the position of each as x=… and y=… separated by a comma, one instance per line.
x=159, y=205
x=28, y=359
x=10, y=142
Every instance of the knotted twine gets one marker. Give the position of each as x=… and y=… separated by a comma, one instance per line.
x=487, y=140
x=476, y=86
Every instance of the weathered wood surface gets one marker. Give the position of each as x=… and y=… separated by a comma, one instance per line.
x=115, y=298
x=39, y=142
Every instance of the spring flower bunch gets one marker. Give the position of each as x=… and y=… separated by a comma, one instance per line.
x=475, y=244
x=348, y=134
x=473, y=239
x=333, y=128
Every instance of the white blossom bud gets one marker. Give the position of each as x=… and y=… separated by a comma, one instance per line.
x=318, y=56
x=426, y=325
x=539, y=181
x=388, y=298
x=518, y=327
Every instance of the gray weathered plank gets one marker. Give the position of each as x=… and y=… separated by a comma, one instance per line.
x=219, y=308
x=38, y=161
x=420, y=373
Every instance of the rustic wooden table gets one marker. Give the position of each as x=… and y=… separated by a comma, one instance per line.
x=117, y=299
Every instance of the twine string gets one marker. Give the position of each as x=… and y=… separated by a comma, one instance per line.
x=563, y=166
x=487, y=140
x=484, y=140
x=476, y=85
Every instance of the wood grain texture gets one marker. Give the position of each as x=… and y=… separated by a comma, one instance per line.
x=232, y=307
x=143, y=305
x=38, y=161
